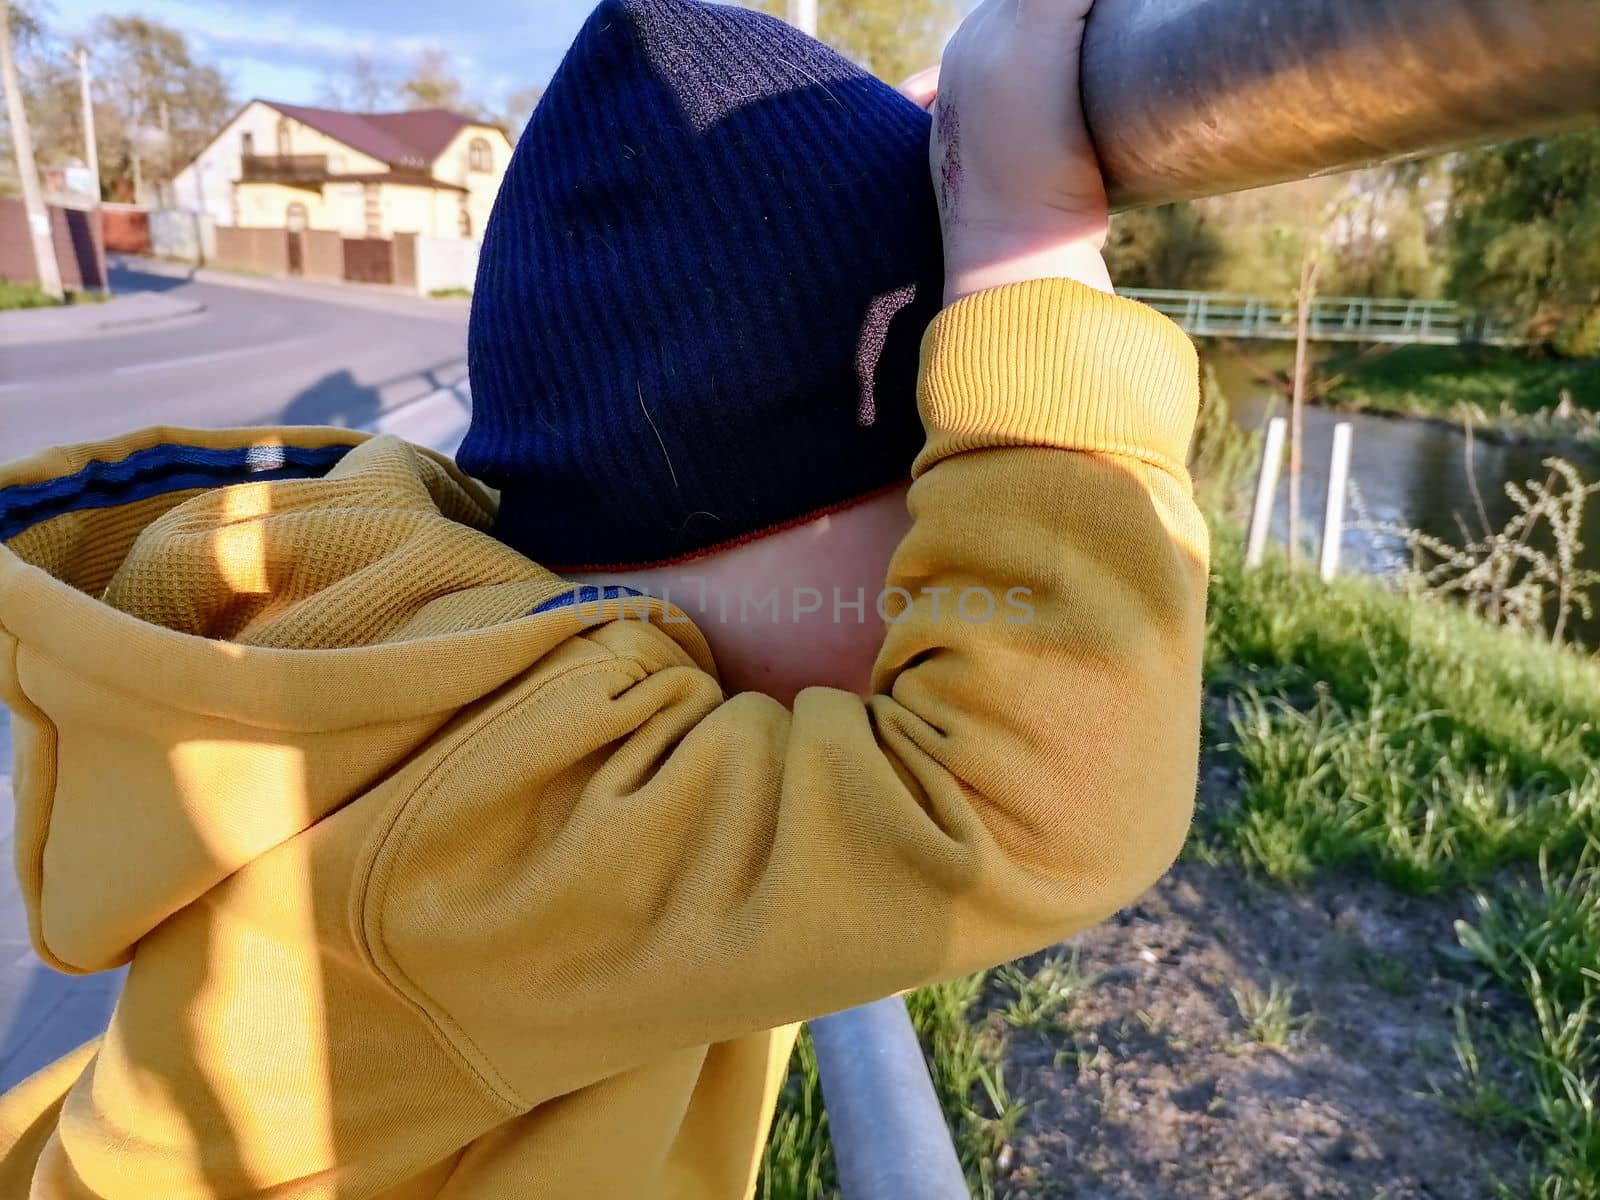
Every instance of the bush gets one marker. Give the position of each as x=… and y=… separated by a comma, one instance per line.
x=1579, y=336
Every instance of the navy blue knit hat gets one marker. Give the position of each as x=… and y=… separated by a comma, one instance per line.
x=702, y=290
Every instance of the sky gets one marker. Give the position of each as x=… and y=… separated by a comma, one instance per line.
x=286, y=49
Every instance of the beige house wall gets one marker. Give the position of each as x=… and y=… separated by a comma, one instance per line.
x=266, y=206
x=430, y=212
x=214, y=176
x=453, y=166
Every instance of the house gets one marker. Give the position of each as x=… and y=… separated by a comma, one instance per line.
x=274, y=166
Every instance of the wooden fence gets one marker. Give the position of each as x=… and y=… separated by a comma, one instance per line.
x=405, y=260
x=79, y=253
x=319, y=254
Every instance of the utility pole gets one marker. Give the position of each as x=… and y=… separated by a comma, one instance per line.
x=91, y=148
x=200, y=210
x=44, y=249
x=91, y=157
x=164, y=192
x=803, y=15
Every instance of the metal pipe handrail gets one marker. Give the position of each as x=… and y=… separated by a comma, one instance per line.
x=890, y=1141
x=1189, y=98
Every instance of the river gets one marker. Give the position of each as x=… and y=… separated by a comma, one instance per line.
x=1414, y=473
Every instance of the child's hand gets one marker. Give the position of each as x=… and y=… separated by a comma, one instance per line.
x=1019, y=187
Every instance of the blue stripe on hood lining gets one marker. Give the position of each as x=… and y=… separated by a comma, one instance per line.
x=587, y=593
x=154, y=471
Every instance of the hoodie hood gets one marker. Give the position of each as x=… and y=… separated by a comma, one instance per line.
x=210, y=641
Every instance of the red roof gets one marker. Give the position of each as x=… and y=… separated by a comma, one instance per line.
x=401, y=139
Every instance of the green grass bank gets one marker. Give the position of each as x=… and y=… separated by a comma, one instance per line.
x=1515, y=394
x=1407, y=740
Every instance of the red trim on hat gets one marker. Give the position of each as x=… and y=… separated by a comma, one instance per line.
x=741, y=540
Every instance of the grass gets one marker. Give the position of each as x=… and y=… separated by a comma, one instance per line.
x=1405, y=739
x=23, y=295
x=1268, y=1013
x=14, y=296
x=1042, y=994
x=1435, y=381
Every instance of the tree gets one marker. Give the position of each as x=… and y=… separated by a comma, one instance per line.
x=362, y=86
x=1173, y=246
x=432, y=83
x=890, y=38
x=36, y=59
x=1388, y=236
x=1525, y=235
x=519, y=107
x=156, y=107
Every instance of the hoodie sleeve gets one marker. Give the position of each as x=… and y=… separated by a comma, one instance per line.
x=617, y=861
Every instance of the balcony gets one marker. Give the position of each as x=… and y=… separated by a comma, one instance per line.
x=283, y=168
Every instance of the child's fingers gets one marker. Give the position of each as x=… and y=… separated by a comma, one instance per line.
x=922, y=88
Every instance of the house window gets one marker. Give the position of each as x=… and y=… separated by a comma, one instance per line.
x=479, y=156
x=283, y=137
x=294, y=217
x=372, y=206
x=247, y=144
x=464, y=223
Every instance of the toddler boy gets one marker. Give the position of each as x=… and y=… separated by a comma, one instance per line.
x=448, y=857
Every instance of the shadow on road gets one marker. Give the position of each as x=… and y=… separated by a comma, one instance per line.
x=51, y=1016
x=335, y=399
x=125, y=280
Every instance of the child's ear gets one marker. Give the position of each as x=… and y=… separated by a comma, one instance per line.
x=922, y=88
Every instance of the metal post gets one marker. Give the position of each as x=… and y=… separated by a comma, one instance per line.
x=1333, y=514
x=91, y=154
x=1266, y=491
x=1193, y=98
x=890, y=1140
x=802, y=14
x=200, y=212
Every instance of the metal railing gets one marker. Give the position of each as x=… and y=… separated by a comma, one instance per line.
x=282, y=168
x=890, y=1141
x=1333, y=318
x=1190, y=98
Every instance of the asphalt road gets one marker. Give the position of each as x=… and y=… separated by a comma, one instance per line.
x=252, y=357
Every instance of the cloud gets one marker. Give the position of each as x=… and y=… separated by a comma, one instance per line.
x=269, y=46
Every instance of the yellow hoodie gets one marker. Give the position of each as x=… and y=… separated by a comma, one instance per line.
x=433, y=884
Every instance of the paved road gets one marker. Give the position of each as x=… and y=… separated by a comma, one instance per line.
x=253, y=357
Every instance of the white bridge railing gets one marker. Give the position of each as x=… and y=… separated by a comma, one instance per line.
x=1333, y=318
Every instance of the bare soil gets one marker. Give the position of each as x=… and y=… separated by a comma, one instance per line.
x=1151, y=1087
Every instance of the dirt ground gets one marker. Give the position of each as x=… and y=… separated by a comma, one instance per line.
x=1151, y=1086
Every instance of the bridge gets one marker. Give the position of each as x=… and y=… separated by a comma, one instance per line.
x=1333, y=318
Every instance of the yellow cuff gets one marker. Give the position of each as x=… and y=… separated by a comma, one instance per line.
x=1052, y=362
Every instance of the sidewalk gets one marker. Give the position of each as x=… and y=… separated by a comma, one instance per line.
x=401, y=301
x=30, y=325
